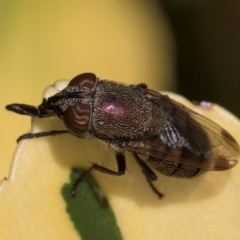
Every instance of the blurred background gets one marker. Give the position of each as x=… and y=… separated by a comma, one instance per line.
x=189, y=47
x=207, y=38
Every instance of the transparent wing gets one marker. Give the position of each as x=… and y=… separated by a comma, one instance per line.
x=156, y=148
x=188, y=138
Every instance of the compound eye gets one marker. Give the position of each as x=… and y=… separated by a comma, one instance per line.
x=88, y=80
x=77, y=118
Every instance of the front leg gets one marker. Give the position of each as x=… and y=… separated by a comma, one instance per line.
x=121, y=170
x=41, y=134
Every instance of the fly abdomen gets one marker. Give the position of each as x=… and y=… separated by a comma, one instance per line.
x=174, y=169
x=166, y=166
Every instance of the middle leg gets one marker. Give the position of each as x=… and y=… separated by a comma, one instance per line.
x=121, y=170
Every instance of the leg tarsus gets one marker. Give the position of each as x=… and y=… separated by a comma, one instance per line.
x=155, y=190
x=78, y=180
x=139, y=86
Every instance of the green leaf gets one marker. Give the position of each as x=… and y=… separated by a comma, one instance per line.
x=90, y=210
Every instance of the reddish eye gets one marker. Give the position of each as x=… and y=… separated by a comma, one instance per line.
x=77, y=118
x=87, y=80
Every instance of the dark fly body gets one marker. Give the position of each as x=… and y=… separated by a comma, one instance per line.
x=175, y=140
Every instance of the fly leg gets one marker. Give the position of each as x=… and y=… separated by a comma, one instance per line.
x=121, y=163
x=149, y=174
x=41, y=134
x=139, y=86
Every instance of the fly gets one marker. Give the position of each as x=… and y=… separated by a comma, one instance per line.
x=175, y=140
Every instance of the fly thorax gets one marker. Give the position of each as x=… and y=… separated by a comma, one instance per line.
x=119, y=111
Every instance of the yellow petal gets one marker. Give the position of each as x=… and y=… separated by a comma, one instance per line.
x=32, y=202
x=42, y=42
